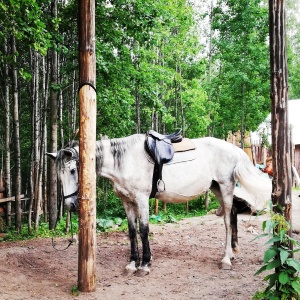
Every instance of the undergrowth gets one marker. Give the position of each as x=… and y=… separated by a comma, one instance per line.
x=114, y=219
x=283, y=278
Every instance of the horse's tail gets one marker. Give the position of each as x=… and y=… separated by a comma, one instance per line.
x=254, y=182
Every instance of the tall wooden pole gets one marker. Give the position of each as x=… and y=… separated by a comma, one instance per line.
x=282, y=170
x=87, y=145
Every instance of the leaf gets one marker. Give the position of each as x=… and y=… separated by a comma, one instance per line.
x=283, y=256
x=260, y=236
x=273, y=278
x=264, y=224
x=262, y=269
x=273, y=240
x=274, y=298
x=109, y=224
x=269, y=226
x=293, y=263
x=296, y=286
x=273, y=264
x=269, y=254
x=284, y=278
x=118, y=221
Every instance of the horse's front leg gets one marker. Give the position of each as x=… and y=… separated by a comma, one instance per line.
x=144, y=233
x=132, y=229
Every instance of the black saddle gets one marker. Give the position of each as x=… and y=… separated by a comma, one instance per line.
x=161, y=150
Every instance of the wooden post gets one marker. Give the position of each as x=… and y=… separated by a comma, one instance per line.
x=87, y=145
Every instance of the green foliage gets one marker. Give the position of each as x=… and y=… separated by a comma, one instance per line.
x=284, y=281
x=240, y=83
x=176, y=212
x=107, y=224
x=43, y=231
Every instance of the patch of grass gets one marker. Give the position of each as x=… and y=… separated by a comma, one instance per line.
x=75, y=291
x=177, y=212
x=43, y=231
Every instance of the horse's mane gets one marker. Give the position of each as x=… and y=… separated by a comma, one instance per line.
x=118, y=149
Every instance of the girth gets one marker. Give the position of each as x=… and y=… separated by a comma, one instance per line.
x=161, y=150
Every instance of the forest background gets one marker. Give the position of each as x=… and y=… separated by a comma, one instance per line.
x=199, y=65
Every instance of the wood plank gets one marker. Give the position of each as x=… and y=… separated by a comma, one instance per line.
x=10, y=199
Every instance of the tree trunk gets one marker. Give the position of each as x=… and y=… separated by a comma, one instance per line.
x=87, y=146
x=44, y=137
x=37, y=146
x=53, y=131
x=7, y=175
x=138, y=108
x=17, y=158
x=74, y=104
x=282, y=178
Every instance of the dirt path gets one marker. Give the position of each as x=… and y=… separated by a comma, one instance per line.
x=186, y=256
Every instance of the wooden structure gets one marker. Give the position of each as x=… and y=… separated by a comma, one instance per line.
x=256, y=152
x=87, y=146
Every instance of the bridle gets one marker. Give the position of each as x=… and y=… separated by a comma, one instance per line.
x=74, y=157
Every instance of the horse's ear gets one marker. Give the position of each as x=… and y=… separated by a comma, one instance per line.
x=51, y=155
x=67, y=153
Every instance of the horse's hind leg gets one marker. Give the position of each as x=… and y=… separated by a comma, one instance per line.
x=224, y=193
x=233, y=224
x=132, y=228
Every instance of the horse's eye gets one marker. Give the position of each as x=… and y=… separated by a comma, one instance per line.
x=73, y=171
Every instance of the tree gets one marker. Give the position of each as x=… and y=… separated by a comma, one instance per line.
x=18, y=212
x=240, y=84
x=282, y=179
x=53, y=126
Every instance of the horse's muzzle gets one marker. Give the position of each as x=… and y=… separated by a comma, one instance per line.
x=73, y=207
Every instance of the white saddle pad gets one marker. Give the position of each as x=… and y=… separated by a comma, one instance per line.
x=182, y=157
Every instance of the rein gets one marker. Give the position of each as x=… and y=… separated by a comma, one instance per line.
x=71, y=241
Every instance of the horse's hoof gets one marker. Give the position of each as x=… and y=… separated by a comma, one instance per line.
x=142, y=271
x=226, y=264
x=131, y=267
x=236, y=249
x=128, y=273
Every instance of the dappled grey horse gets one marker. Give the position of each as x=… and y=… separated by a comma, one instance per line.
x=213, y=164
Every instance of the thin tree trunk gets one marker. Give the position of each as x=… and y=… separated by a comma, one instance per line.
x=7, y=174
x=44, y=138
x=17, y=157
x=138, y=108
x=53, y=131
x=209, y=128
x=37, y=147
x=73, y=106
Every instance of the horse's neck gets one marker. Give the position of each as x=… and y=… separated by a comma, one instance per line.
x=104, y=167
x=112, y=155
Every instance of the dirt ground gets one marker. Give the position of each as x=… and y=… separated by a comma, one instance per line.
x=186, y=258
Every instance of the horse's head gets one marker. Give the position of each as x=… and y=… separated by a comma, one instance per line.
x=67, y=170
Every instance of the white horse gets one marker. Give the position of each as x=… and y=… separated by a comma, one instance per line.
x=214, y=165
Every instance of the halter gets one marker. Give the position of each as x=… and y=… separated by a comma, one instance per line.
x=75, y=158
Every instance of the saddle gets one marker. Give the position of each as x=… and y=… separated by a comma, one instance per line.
x=161, y=150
